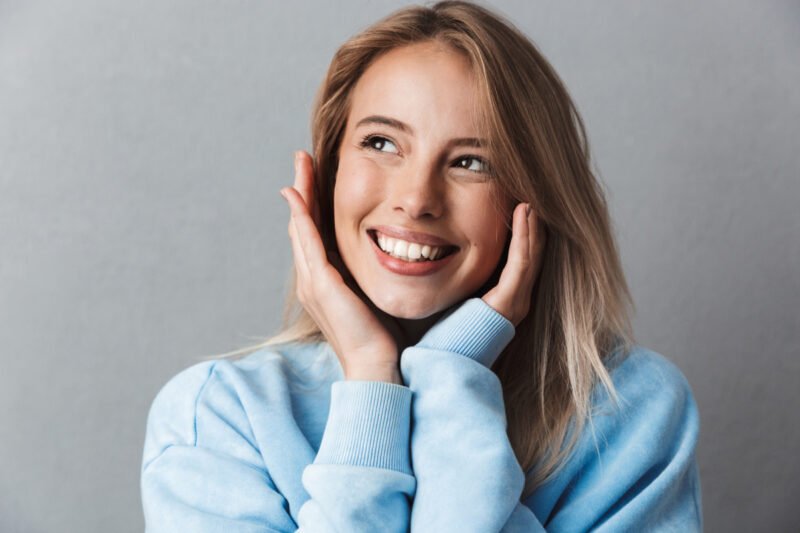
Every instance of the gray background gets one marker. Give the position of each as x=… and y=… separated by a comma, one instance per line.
x=142, y=146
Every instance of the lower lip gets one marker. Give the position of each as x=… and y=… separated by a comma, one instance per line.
x=406, y=268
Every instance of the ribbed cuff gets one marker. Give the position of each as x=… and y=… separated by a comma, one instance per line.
x=474, y=330
x=369, y=424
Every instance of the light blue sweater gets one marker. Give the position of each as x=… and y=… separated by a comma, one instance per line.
x=278, y=441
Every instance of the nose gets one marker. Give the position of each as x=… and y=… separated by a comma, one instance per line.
x=418, y=191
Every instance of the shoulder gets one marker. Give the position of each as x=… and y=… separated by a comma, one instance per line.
x=214, y=400
x=643, y=373
x=646, y=363
x=654, y=421
x=647, y=385
x=633, y=466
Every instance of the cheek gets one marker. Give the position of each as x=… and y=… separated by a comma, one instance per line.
x=488, y=230
x=356, y=192
x=491, y=239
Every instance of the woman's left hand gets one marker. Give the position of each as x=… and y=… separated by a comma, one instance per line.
x=511, y=297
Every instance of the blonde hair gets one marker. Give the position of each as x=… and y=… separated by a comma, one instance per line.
x=580, y=305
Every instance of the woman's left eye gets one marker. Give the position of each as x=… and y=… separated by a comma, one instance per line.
x=472, y=163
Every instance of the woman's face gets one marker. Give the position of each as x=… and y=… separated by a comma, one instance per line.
x=413, y=178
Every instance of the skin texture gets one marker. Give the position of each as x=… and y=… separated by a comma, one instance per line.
x=421, y=180
x=414, y=182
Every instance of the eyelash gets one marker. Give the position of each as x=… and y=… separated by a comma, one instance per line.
x=366, y=142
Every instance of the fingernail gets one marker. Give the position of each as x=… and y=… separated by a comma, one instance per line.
x=528, y=210
x=283, y=193
x=296, y=156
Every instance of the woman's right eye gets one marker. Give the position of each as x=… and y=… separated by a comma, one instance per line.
x=378, y=143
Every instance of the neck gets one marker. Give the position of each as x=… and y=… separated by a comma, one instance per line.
x=408, y=332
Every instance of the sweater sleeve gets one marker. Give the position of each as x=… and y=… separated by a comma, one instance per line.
x=203, y=470
x=361, y=478
x=468, y=478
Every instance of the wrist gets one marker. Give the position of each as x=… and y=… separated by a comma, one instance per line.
x=387, y=373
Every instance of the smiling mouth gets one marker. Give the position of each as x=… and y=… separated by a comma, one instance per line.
x=411, y=252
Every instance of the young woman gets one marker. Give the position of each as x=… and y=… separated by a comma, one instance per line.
x=461, y=356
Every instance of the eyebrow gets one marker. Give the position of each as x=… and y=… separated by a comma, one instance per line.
x=405, y=128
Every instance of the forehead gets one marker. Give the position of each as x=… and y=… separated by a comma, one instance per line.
x=429, y=86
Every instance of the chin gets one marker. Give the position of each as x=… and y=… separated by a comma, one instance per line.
x=401, y=306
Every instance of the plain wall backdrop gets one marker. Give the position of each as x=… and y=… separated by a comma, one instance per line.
x=142, y=146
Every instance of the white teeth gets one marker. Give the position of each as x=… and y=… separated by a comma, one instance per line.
x=409, y=251
x=400, y=248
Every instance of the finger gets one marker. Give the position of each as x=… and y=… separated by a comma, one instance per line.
x=516, y=272
x=306, y=232
x=304, y=181
x=335, y=259
x=300, y=263
x=537, y=238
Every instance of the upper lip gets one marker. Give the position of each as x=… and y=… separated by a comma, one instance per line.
x=411, y=236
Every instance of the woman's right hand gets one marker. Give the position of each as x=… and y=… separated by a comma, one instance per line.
x=366, y=350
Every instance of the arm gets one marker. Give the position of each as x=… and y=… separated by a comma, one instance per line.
x=204, y=469
x=643, y=478
x=369, y=441
x=468, y=478
x=361, y=479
